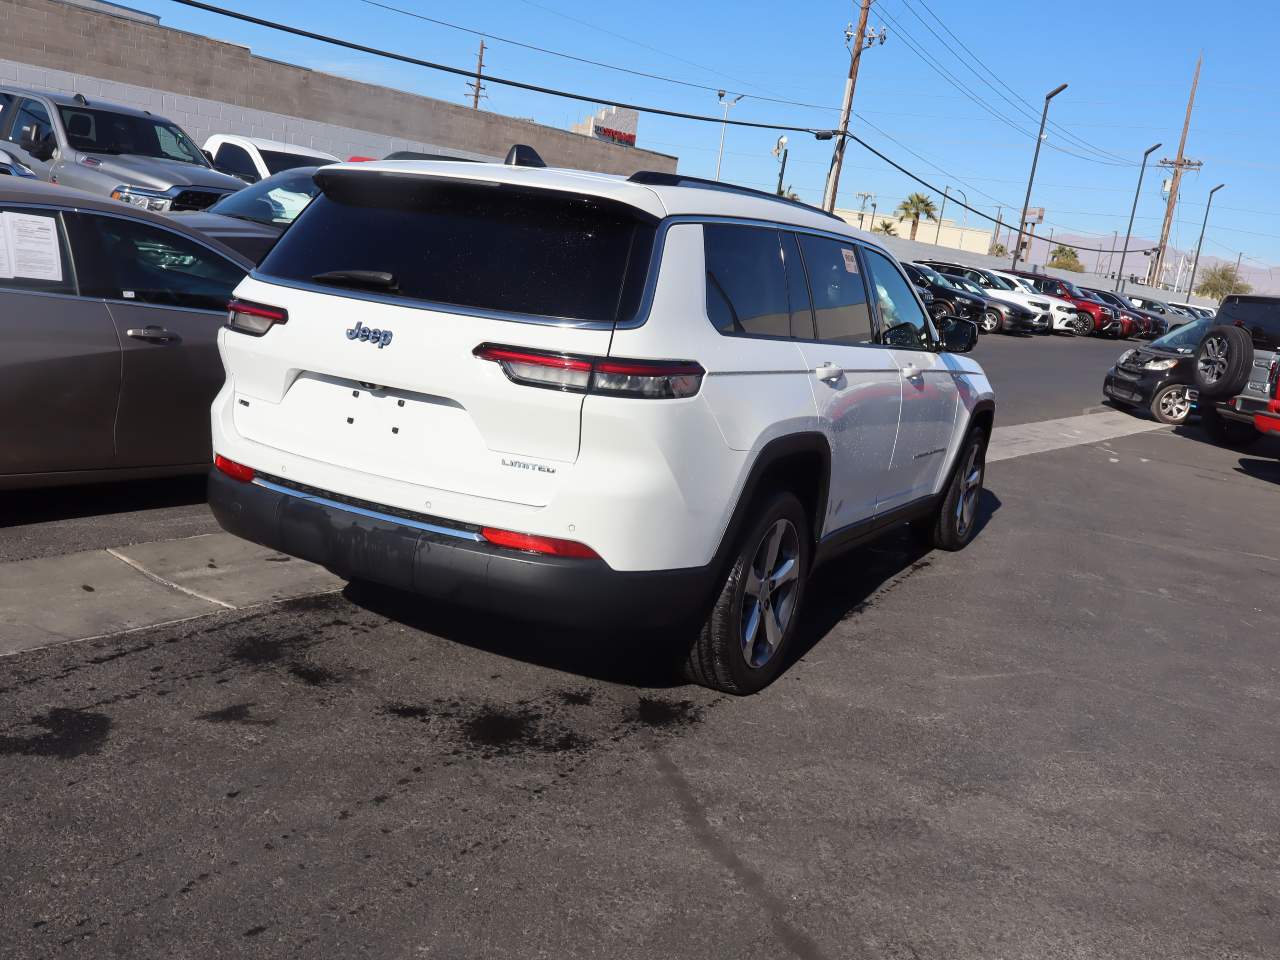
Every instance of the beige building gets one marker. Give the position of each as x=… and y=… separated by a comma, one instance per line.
x=946, y=233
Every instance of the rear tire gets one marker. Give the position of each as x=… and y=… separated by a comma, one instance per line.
x=743, y=645
x=956, y=521
x=1223, y=360
x=1227, y=433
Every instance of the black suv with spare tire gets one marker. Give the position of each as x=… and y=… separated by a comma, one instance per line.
x=1236, y=367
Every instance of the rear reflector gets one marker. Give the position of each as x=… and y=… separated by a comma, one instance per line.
x=254, y=318
x=236, y=471
x=648, y=379
x=531, y=543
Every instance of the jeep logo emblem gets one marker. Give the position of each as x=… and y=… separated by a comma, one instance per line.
x=369, y=334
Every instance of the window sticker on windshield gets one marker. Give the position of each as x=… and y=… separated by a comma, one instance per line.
x=33, y=246
x=850, y=260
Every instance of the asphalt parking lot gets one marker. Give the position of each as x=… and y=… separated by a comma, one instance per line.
x=1060, y=742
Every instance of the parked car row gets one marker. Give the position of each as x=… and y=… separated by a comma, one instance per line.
x=1026, y=302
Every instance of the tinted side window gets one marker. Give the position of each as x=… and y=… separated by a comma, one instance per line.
x=839, y=295
x=33, y=252
x=235, y=160
x=123, y=259
x=31, y=114
x=902, y=319
x=746, y=280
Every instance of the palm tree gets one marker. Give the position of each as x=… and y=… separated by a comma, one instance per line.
x=917, y=205
x=885, y=227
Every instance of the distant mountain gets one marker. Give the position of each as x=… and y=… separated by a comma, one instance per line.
x=1136, y=263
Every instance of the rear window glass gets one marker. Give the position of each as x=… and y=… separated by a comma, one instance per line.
x=1260, y=315
x=475, y=246
x=277, y=161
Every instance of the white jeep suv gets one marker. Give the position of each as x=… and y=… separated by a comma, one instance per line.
x=575, y=397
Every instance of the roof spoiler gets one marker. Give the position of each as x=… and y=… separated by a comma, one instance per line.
x=523, y=155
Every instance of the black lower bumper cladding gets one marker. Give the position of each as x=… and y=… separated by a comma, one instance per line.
x=455, y=569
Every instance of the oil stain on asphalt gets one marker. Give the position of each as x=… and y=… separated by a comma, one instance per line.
x=68, y=733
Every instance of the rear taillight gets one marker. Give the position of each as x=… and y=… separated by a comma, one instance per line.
x=608, y=376
x=236, y=471
x=531, y=543
x=254, y=318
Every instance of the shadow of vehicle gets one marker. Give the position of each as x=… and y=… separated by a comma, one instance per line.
x=837, y=590
x=21, y=507
x=1261, y=469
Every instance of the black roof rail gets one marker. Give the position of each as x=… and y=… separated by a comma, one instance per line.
x=656, y=178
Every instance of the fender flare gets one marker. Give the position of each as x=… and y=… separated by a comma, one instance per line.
x=771, y=454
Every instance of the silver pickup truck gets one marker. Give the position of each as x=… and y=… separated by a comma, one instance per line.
x=1237, y=367
x=126, y=154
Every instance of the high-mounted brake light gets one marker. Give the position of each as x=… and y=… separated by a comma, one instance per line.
x=531, y=543
x=236, y=471
x=647, y=379
x=254, y=319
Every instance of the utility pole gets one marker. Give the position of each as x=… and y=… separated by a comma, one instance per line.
x=941, y=210
x=1236, y=281
x=995, y=237
x=1179, y=164
x=475, y=86
x=858, y=39
x=780, y=151
x=863, y=197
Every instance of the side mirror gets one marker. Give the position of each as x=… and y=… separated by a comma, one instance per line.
x=958, y=336
x=208, y=155
x=39, y=147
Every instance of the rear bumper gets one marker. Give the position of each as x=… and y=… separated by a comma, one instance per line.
x=358, y=544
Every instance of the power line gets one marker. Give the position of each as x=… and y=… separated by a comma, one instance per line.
x=485, y=34
x=905, y=36
x=821, y=134
x=1026, y=105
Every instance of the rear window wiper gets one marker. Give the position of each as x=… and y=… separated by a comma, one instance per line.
x=371, y=279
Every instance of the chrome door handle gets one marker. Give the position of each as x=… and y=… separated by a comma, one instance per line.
x=828, y=372
x=156, y=334
x=912, y=372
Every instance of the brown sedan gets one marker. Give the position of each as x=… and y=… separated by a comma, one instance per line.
x=109, y=317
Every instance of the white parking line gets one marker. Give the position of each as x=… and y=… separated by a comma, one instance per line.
x=1045, y=436
x=169, y=583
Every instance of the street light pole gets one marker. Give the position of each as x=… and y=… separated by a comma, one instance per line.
x=725, y=125
x=1035, y=158
x=1128, y=233
x=780, y=151
x=1196, y=262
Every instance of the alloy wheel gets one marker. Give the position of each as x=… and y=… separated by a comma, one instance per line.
x=769, y=600
x=1213, y=360
x=1175, y=404
x=970, y=489
x=990, y=320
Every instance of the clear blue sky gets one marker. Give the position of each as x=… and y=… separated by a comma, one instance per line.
x=1129, y=67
